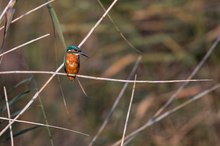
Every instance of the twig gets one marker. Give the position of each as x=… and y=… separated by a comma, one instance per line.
x=164, y=115
x=31, y=101
x=9, y=116
x=81, y=86
x=116, y=102
x=104, y=79
x=6, y=8
x=22, y=45
x=190, y=77
x=45, y=125
x=128, y=113
x=29, y=12
x=97, y=23
x=118, y=29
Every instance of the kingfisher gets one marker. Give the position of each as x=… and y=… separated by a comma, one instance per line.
x=72, y=60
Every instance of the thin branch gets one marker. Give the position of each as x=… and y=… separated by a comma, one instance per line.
x=9, y=116
x=6, y=8
x=121, y=93
x=45, y=125
x=54, y=74
x=190, y=77
x=97, y=23
x=29, y=12
x=118, y=29
x=22, y=45
x=104, y=79
x=31, y=101
x=81, y=86
x=164, y=115
x=128, y=113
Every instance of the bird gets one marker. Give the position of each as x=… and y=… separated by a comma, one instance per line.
x=72, y=61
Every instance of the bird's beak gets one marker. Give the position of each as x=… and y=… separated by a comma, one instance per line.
x=84, y=54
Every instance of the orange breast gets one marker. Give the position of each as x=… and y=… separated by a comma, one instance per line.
x=72, y=65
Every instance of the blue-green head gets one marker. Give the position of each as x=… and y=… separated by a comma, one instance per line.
x=75, y=50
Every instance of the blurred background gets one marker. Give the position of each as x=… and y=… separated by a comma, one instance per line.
x=172, y=36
